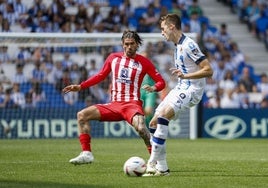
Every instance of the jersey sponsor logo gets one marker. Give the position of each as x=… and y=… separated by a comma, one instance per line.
x=193, y=48
x=225, y=127
x=195, y=51
x=124, y=73
x=124, y=77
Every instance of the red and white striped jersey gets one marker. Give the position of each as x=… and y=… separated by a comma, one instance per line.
x=127, y=76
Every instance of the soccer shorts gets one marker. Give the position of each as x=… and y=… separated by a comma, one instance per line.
x=119, y=111
x=180, y=100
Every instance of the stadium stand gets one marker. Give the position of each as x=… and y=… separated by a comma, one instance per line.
x=62, y=16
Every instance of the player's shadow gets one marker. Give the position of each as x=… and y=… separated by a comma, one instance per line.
x=215, y=173
x=27, y=184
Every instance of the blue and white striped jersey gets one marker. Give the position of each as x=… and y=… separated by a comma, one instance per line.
x=187, y=56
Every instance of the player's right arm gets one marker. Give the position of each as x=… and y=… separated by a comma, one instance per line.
x=95, y=79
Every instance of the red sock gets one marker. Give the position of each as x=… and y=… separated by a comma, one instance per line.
x=149, y=148
x=85, y=142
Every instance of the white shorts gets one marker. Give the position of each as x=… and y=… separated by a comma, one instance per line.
x=180, y=100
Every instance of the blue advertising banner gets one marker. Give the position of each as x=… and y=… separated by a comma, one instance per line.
x=62, y=123
x=234, y=123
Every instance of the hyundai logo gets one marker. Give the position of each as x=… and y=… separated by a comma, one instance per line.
x=225, y=127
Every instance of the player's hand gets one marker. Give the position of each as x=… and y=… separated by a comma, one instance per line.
x=176, y=72
x=149, y=88
x=69, y=88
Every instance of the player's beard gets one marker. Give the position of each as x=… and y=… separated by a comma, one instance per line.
x=130, y=52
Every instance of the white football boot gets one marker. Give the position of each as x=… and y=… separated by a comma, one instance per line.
x=153, y=171
x=150, y=169
x=85, y=157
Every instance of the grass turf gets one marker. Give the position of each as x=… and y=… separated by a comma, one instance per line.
x=43, y=163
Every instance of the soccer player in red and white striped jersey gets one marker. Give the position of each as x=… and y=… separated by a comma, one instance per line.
x=127, y=69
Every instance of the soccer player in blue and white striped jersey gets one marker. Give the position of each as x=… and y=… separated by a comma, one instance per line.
x=191, y=67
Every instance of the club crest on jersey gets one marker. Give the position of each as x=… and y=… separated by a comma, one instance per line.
x=135, y=65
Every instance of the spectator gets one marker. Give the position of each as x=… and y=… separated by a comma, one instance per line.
x=151, y=17
x=43, y=26
x=75, y=73
x=230, y=99
x=56, y=73
x=7, y=101
x=29, y=101
x=5, y=82
x=236, y=55
x=126, y=9
x=142, y=26
x=219, y=71
x=6, y=26
x=211, y=87
x=208, y=38
x=228, y=83
x=214, y=101
x=247, y=81
x=37, y=93
x=38, y=73
x=19, y=76
x=67, y=62
x=24, y=28
x=38, y=5
x=64, y=80
x=224, y=37
x=253, y=12
x=262, y=86
x=4, y=56
x=17, y=96
x=10, y=14
x=195, y=7
x=264, y=102
x=2, y=94
x=20, y=8
x=195, y=25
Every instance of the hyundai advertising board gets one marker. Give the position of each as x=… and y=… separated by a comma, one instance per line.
x=62, y=123
x=234, y=123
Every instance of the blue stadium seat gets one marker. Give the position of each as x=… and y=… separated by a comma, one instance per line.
x=261, y=25
x=115, y=2
x=167, y=4
x=139, y=12
x=213, y=28
x=25, y=87
x=133, y=21
x=204, y=19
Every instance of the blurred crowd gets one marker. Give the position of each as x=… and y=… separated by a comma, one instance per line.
x=253, y=13
x=233, y=85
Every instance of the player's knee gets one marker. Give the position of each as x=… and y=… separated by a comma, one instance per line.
x=153, y=122
x=80, y=116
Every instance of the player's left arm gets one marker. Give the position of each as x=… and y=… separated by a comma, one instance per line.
x=204, y=71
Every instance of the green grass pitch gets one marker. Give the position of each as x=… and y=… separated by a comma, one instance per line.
x=43, y=163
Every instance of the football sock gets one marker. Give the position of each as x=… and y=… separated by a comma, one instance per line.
x=159, y=138
x=152, y=130
x=162, y=162
x=162, y=128
x=85, y=142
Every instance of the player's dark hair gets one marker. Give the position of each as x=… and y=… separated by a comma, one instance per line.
x=172, y=19
x=132, y=34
